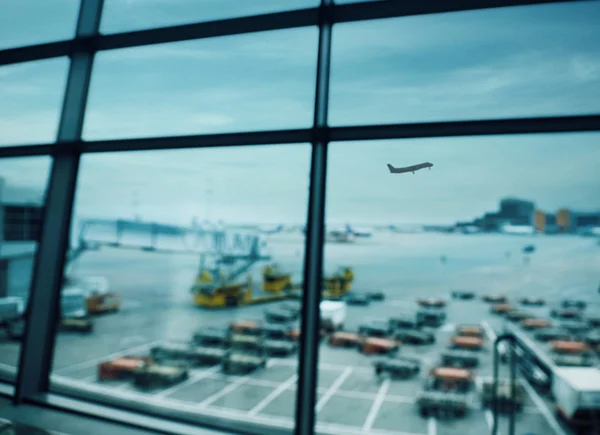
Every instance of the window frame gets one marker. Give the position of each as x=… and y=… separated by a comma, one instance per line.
x=33, y=379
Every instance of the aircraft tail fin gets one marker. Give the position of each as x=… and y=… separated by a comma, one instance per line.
x=391, y=168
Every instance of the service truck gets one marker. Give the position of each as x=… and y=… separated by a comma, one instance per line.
x=333, y=314
x=577, y=394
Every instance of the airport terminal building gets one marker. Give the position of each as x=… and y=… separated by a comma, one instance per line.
x=21, y=214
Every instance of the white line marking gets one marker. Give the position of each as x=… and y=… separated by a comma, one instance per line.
x=331, y=391
x=93, y=362
x=273, y=395
x=431, y=426
x=194, y=377
x=376, y=405
x=543, y=408
x=489, y=418
x=228, y=389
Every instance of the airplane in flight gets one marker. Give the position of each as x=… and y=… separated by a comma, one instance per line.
x=412, y=168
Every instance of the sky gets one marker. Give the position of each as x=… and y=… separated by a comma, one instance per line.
x=510, y=62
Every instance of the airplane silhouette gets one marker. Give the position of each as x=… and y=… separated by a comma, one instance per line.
x=412, y=168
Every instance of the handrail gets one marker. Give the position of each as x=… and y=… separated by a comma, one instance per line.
x=511, y=338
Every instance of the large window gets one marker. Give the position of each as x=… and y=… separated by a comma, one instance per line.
x=524, y=61
x=209, y=214
x=483, y=222
x=194, y=259
x=22, y=188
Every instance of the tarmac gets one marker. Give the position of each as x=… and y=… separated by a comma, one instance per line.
x=350, y=398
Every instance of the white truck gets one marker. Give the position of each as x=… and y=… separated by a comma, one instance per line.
x=577, y=394
x=333, y=314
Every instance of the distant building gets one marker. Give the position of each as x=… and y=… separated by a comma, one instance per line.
x=545, y=222
x=517, y=211
x=570, y=221
x=21, y=214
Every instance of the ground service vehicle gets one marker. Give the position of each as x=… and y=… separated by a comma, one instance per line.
x=536, y=302
x=357, y=299
x=431, y=303
x=570, y=353
x=413, y=336
x=345, y=339
x=551, y=334
x=275, y=280
x=158, y=375
x=245, y=342
x=495, y=299
x=593, y=320
x=211, y=337
x=535, y=323
x=500, y=308
x=246, y=327
x=446, y=392
x=74, y=315
x=474, y=343
x=592, y=338
x=397, y=368
x=577, y=395
x=517, y=315
x=566, y=313
x=431, y=318
x=333, y=315
x=376, y=296
x=504, y=399
x=236, y=362
x=277, y=332
x=275, y=315
x=11, y=317
x=375, y=329
x=193, y=355
x=470, y=331
x=574, y=326
x=121, y=368
x=405, y=322
x=379, y=346
x=279, y=348
x=463, y=295
x=460, y=358
x=339, y=283
x=99, y=299
x=574, y=303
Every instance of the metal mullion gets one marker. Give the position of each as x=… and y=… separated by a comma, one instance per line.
x=353, y=12
x=44, y=300
x=374, y=10
x=313, y=260
x=558, y=124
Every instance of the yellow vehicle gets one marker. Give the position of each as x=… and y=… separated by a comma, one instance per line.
x=212, y=293
x=339, y=284
x=274, y=280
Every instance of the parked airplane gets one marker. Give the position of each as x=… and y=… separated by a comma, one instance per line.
x=359, y=232
x=412, y=168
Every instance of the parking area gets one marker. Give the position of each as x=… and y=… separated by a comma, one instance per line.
x=350, y=398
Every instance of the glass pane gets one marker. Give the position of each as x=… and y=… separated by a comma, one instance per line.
x=523, y=61
x=435, y=255
x=249, y=82
x=31, y=95
x=28, y=22
x=120, y=16
x=170, y=268
x=22, y=191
